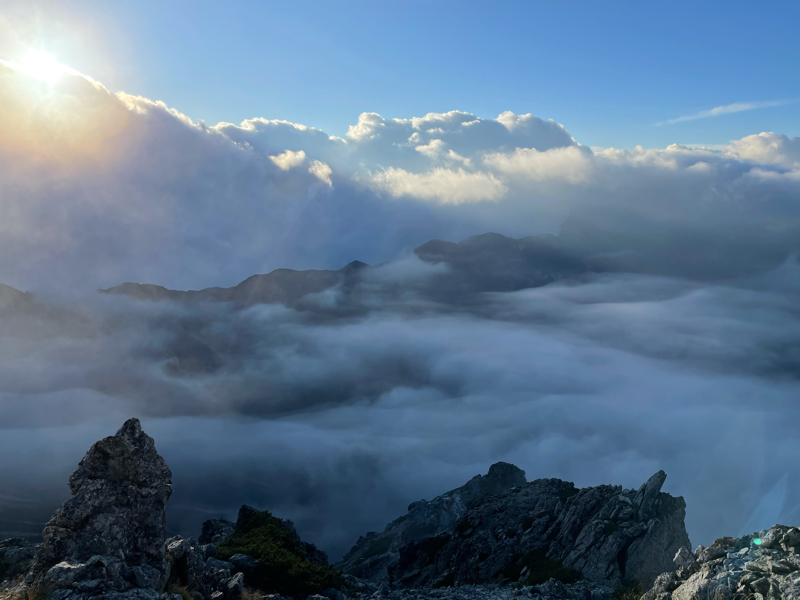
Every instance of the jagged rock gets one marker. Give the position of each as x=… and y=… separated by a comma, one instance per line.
x=109, y=537
x=189, y=569
x=219, y=565
x=235, y=587
x=528, y=534
x=245, y=564
x=765, y=564
x=16, y=557
x=216, y=531
x=375, y=554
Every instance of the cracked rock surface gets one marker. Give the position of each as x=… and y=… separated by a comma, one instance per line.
x=761, y=566
x=529, y=533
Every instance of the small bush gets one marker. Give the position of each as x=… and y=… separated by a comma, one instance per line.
x=283, y=566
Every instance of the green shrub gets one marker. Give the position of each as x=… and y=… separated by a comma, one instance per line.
x=283, y=566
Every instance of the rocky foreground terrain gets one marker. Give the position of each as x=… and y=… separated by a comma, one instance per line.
x=498, y=536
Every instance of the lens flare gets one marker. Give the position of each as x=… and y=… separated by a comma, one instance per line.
x=43, y=66
x=757, y=541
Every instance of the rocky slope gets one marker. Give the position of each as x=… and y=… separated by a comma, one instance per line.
x=488, y=262
x=375, y=554
x=495, y=537
x=531, y=532
x=761, y=566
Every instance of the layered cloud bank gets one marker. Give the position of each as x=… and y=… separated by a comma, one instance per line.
x=678, y=352
x=99, y=187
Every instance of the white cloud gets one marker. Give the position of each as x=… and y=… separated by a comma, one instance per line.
x=440, y=185
x=432, y=149
x=321, y=171
x=767, y=149
x=100, y=188
x=287, y=160
x=724, y=110
x=572, y=164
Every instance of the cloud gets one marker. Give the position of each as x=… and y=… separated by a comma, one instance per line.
x=409, y=382
x=603, y=380
x=321, y=171
x=725, y=110
x=288, y=160
x=767, y=149
x=440, y=185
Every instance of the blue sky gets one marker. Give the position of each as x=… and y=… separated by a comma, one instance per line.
x=608, y=71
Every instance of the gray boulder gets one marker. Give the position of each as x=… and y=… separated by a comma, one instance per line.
x=109, y=537
x=761, y=566
x=16, y=557
x=235, y=587
x=216, y=531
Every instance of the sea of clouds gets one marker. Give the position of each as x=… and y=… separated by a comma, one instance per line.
x=339, y=414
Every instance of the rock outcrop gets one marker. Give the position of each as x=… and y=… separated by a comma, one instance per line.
x=761, y=566
x=375, y=554
x=531, y=533
x=216, y=531
x=108, y=539
x=16, y=558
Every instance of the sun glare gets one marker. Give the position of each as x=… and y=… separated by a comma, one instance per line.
x=43, y=66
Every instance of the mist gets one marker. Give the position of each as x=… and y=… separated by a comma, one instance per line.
x=657, y=329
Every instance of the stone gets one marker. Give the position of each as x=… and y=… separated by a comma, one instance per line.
x=235, y=587
x=16, y=557
x=733, y=568
x=684, y=558
x=114, y=523
x=242, y=562
x=209, y=550
x=216, y=531
x=189, y=568
x=218, y=565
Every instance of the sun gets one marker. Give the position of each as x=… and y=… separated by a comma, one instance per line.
x=43, y=66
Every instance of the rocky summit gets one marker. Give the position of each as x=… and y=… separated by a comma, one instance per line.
x=496, y=537
x=528, y=534
x=375, y=555
x=108, y=539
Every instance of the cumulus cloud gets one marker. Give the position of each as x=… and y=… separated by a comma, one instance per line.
x=440, y=185
x=321, y=171
x=288, y=160
x=767, y=149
